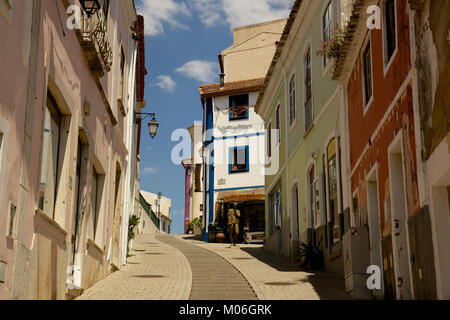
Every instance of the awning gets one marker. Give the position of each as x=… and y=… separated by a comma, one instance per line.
x=241, y=195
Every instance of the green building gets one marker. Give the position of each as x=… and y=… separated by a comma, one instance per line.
x=300, y=104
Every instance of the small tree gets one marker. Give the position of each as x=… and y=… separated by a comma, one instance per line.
x=132, y=223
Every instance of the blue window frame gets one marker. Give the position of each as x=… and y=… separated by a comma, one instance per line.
x=238, y=107
x=239, y=157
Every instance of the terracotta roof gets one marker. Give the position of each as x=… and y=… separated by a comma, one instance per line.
x=280, y=45
x=235, y=87
x=350, y=30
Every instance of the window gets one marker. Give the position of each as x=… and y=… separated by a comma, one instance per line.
x=94, y=205
x=12, y=221
x=197, y=178
x=50, y=161
x=327, y=25
x=6, y=8
x=367, y=69
x=239, y=107
x=275, y=209
x=269, y=141
x=239, y=160
x=333, y=189
x=312, y=197
x=122, y=75
x=292, y=100
x=308, y=90
x=390, y=33
x=278, y=124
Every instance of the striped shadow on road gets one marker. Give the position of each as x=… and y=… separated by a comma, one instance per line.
x=213, y=277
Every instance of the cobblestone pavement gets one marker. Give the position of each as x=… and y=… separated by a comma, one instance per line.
x=214, y=278
x=155, y=271
x=273, y=277
x=180, y=267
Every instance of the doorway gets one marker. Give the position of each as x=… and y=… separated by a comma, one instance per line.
x=373, y=213
x=117, y=218
x=402, y=268
x=78, y=213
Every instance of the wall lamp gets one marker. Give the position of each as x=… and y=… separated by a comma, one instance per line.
x=152, y=125
x=90, y=6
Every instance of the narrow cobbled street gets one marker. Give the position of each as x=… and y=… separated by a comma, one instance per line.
x=179, y=267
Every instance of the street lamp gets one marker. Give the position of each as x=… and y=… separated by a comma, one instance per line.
x=90, y=6
x=152, y=125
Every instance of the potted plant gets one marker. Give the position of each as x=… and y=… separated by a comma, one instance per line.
x=132, y=223
x=220, y=235
x=193, y=225
x=311, y=257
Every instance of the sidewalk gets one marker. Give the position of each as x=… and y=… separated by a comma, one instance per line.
x=273, y=277
x=158, y=272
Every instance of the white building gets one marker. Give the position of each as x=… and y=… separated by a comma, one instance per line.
x=161, y=206
x=234, y=138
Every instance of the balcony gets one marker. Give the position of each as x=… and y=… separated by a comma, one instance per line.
x=94, y=42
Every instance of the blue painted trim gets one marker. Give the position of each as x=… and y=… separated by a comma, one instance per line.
x=241, y=188
x=257, y=134
x=230, y=159
x=211, y=195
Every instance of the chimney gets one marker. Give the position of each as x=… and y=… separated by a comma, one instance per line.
x=222, y=80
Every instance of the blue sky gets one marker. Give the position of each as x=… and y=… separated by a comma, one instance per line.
x=183, y=41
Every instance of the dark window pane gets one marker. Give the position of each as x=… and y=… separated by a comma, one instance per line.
x=390, y=24
x=239, y=158
x=239, y=107
x=367, y=74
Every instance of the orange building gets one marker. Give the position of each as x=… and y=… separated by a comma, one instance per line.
x=379, y=84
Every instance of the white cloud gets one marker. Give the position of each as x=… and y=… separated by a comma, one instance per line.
x=149, y=170
x=159, y=12
x=209, y=11
x=238, y=13
x=241, y=13
x=166, y=83
x=200, y=70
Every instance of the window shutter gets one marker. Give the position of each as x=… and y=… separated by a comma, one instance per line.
x=46, y=136
x=323, y=216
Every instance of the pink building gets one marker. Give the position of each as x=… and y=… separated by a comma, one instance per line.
x=67, y=144
x=187, y=164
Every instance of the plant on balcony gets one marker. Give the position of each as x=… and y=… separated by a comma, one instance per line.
x=332, y=47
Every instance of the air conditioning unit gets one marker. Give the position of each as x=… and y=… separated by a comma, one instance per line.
x=356, y=256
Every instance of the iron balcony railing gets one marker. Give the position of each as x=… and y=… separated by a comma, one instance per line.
x=95, y=43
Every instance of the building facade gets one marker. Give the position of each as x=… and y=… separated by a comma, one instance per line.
x=300, y=106
x=431, y=63
x=68, y=144
x=161, y=207
x=233, y=134
x=389, y=79
x=187, y=165
x=196, y=203
x=149, y=223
